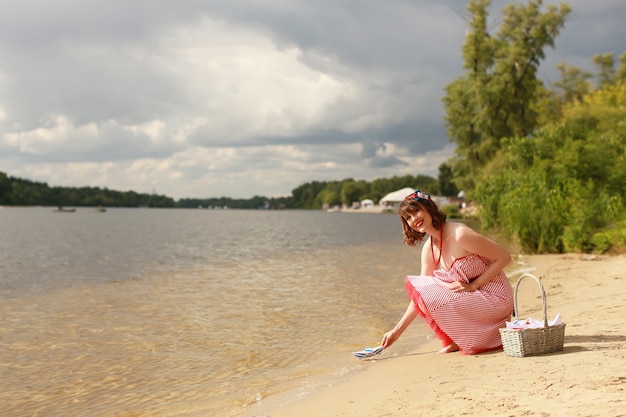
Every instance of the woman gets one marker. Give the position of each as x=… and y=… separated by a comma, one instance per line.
x=462, y=292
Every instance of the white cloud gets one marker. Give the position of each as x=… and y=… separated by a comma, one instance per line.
x=243, y=85
x=55, y=131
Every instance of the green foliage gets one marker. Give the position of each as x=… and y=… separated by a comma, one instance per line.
x=497, y=96
x=452, y=211
x=605, y=63
x=558, y=189
x=446, y=183
x=304, y=195
x=335, y=193
x=22, y=192
x=573, y=83
x=547, y=168
x=352, y=191
x=314, y=195
x=524, y=206
x=611, y=238
x=256, y=202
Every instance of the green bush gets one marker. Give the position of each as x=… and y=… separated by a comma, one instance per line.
x=556, y=192
x=601, y=241
x=452, y=211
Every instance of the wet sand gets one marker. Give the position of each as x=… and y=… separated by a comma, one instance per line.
x=587, y=378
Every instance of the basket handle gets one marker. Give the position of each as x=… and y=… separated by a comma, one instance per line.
x=543, y=297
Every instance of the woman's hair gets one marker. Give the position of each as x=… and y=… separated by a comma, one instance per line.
x=411, y=205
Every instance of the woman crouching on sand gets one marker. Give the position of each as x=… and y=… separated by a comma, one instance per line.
x=462, y=292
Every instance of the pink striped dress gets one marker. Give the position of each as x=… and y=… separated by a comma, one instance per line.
x=469, y=319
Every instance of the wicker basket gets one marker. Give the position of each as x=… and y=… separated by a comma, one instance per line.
x=529, y=342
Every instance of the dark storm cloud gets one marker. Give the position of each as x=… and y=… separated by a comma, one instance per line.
x=386, y=162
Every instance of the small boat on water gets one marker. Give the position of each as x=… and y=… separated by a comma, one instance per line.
x=62, y=209
x=100, y=209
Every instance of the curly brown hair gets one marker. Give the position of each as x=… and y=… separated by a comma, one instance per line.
x=410, y=206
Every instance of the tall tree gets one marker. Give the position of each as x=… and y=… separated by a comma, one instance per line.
x=446, y=186
x=496, y=97
x=621, y=71
x=607, y=71
x=573, y=83
x=605, y=63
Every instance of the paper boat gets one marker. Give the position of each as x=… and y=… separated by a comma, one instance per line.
x=368, y=352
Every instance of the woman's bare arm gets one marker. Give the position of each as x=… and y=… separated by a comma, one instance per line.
x=473, y=242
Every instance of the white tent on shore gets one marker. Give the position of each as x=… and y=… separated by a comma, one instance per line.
x=367, y=203
x=394, y=198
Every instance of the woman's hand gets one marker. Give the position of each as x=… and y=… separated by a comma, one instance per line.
x=389, y=338
x=460, y=286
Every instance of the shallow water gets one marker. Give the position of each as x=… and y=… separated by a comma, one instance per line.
x=147, y=312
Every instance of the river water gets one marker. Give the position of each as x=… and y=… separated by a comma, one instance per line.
x=174, y=312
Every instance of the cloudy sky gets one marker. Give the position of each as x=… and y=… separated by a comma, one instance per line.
x=211, y=98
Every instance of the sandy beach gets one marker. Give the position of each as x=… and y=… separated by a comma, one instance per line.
x=587, y=378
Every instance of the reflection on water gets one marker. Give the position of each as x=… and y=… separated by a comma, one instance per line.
x=188, y=312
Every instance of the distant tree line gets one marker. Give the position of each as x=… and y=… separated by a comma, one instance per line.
x=314, y=195
x=22, y=192
x=317, y=194
x=256, y=202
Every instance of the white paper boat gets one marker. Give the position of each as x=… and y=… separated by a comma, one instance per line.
x=368, y=352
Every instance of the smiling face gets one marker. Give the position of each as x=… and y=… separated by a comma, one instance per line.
x=418, y=218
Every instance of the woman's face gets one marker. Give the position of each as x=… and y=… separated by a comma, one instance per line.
x=418, y=219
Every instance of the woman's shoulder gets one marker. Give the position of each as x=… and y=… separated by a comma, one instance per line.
x=460, y=228
x=464, y=235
